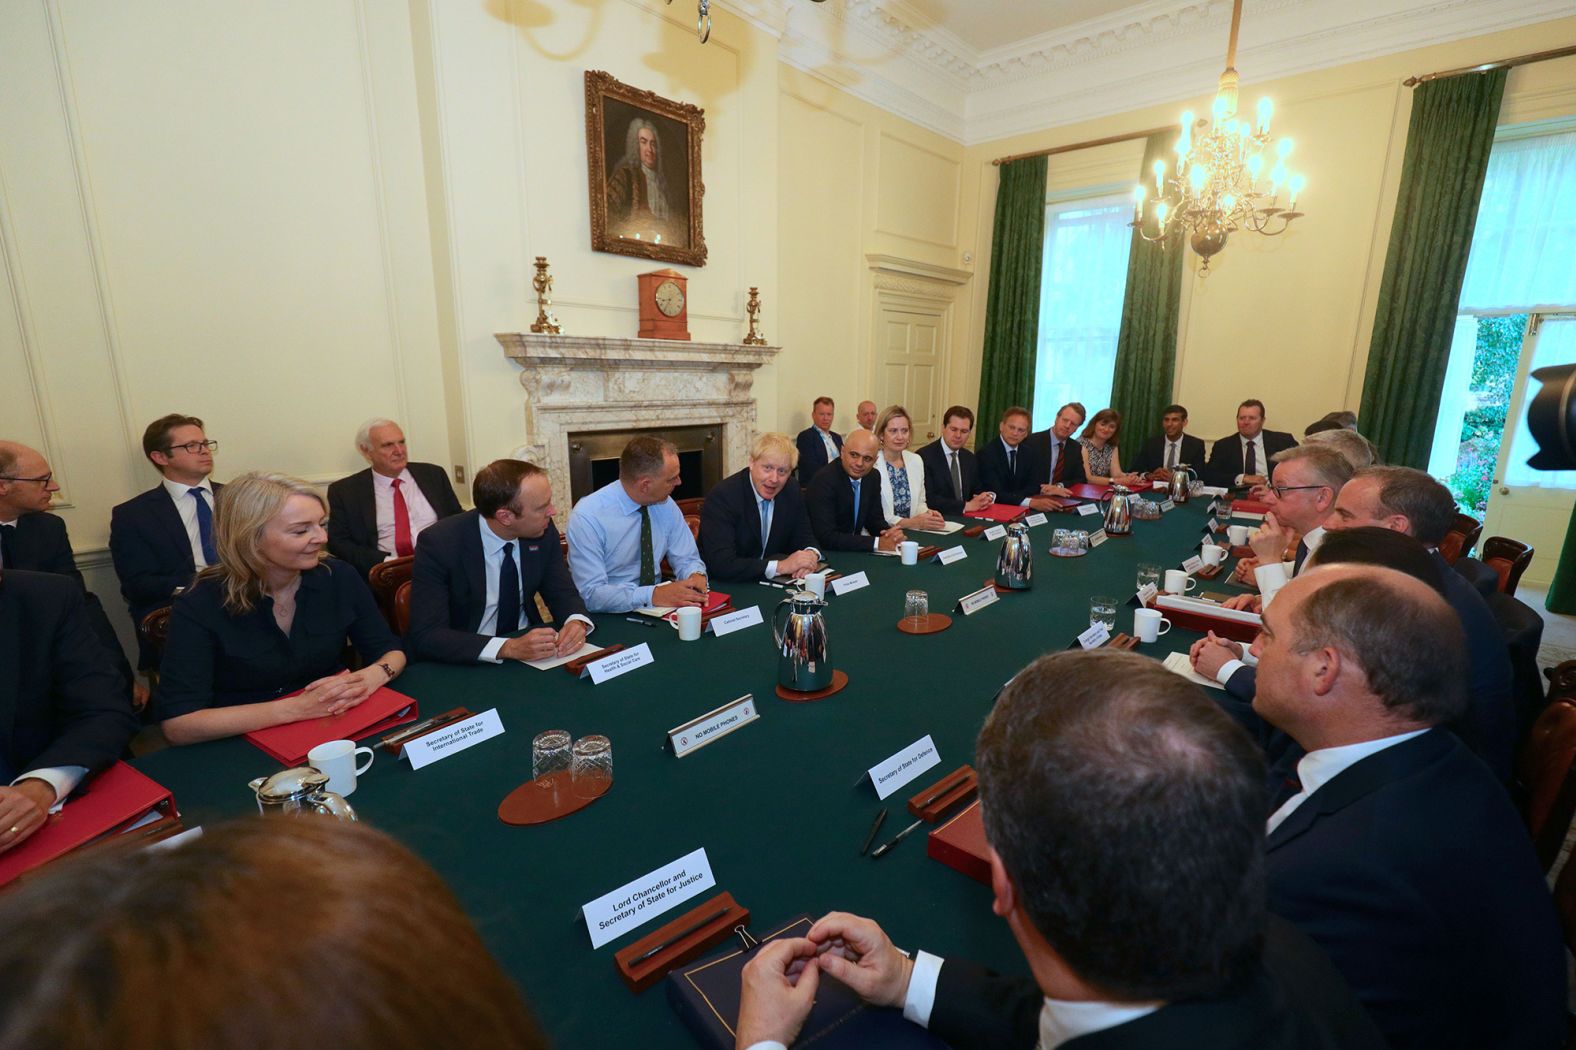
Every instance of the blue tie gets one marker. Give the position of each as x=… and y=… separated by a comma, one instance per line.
x=766, y=523
x=508, y=595
x=856, y=504
x=205, y=527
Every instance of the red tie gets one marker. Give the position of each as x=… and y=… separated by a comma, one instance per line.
x=402, y=544
x=1061, y=461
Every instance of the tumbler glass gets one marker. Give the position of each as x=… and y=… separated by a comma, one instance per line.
x=1148, y=574
x=549, y=752
x=1103, y=610
x=916, y=607
x=591, y=766
x=1078, y=540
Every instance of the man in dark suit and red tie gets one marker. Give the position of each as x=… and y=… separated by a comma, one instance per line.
x=753, y=524
x=1243, y=459
x=478, y=573
x=1057, y=460
x=818, y=444
x=378, y=514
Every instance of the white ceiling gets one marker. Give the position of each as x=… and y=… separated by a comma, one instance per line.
x=985, y=25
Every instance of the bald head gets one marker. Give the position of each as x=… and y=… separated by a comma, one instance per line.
x=866, y=414
x=25, y=482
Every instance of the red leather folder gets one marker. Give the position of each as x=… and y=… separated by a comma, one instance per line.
x=716, y=601
x=1002, y=512
x=1249, y=506
x=960, y=844
x=109, y=802
x=289, y=743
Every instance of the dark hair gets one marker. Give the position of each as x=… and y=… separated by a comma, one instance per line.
x=1178, y=409
x=1076, y=406
x=823, y=401
x=644, y=456
x=1408, y=646
x=497, y=485
x=1319, y=426
x=1376, y=545
x=1102, y=416
x=1129, y=811
x=1426, y=504
x=156, y=438
x=958, y=412
x=253, y=934
x=1015, y=410
x=1254, y=402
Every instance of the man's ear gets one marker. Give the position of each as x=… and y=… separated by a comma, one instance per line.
x=1325, y=666
x=1002, y=886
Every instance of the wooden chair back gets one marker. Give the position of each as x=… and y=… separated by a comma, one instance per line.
x=385, y=580
x=1509, y=558
x=1461, y=539
x=401, y=620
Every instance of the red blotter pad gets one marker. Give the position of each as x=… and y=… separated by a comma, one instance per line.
x=381, y=711
x=960, y=844
x=116, y=800
x=1002, y=512
x=1086, y=491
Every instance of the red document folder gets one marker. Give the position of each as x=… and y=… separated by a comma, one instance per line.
x=1249, y=506
x=113, y=799
x=1002, y=512
x=289, y=743
x=716, y=601
x=960, y=844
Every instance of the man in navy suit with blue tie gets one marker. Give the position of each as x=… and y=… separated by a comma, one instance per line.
x=753, y=524
x=477, y=575
x=160, y=539
x=818, y=444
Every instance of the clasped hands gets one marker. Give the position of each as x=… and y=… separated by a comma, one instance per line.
x=1210, y=653
x=544, y=643
x=681, y=593
x=979, y=502
x=779, y=984
x=335, y=694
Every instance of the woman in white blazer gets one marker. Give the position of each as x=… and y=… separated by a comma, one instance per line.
x=902, y=474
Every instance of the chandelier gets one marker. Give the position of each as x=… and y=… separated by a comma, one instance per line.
x=1226, y=178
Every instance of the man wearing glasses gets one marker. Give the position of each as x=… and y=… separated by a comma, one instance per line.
x=161, y=538
x=1307, y=480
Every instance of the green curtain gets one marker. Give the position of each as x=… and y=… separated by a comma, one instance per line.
x=1562, y=591
x=1447, y=148
x=1146, y=349
x=1012, y=303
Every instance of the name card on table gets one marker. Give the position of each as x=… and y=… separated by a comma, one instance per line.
x=996, y=532
x=618, y=911
x=1167, y=505
x=973, y=603
x=1193, y=564
x=1096, y=538
x=904, y=766
x=1158, y=486
x=713, y=725
x=1145, y=595
x=1097, y=635
x=735, y=621
x=1086, y=509
x=843, y=584
x=1035, y=519
x=952, y=554
x=425, y=750
x=621, y=662
x=1212, y=526
x=1214, y=490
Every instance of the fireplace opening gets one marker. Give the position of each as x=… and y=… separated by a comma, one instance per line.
x=593, y=458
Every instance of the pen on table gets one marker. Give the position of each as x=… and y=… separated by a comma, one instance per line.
x=884, y=848
x=946, y=787
x=641, y=620
x=677, y=937
x=436, y=721
x=871, y=837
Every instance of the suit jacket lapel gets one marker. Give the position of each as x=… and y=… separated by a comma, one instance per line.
x=170, y=521
x=367, y=505
x=10, y=678
x=474, y=559
x=1361, y=780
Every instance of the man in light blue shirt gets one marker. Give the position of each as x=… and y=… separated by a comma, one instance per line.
x=620, y=533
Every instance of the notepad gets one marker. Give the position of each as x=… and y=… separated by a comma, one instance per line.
x=947, y=528
x=1178, y=663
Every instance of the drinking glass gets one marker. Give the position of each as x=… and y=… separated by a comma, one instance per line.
x=549, y=752
x=1148, y=574
x=1059, y=538
x=1103, y=610
x=591, y=767
x=916, y=607
x=1077, y=539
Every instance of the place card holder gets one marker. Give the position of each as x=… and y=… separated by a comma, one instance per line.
x=974, y=530
x=642, y=974
x=930, y=803
x=395, y=742
x=576, y=666
x=1209, y=572
x=926, y=553
x=1120, y=641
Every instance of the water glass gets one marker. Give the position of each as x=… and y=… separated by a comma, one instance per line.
x=1148, y=574
x=549, y=752
x=916, y=607
x=1077, y=540
x=1103, y=610
x=1059, y=538
x=591, y=766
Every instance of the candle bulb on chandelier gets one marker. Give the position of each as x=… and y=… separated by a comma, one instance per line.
x=1160, y=178
x=1294, y=187
x=1266, y=109
x=1139, y=193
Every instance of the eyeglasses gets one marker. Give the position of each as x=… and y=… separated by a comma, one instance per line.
x=43, y=479
x=194, y=447
x=1281, y=490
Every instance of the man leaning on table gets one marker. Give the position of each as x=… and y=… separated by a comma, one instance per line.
x=753, y=525
x=1100, y=774
x=1172, y=448
x=65, y=707
x=844, y=500
x=620, y=533
x=952, y=472
x=478, y=573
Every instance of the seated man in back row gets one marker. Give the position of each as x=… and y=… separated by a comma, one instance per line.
x=952, y=472
x=844, y=500
x=753, y=524
x=380, y=512
x=620, y=533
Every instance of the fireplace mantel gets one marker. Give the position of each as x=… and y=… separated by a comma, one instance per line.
x=577, y=383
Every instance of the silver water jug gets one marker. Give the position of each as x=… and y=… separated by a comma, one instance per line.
x=1015, y=563
x=803, y=664
x=303, y=789
x=1182, y=479
x=1118, y=515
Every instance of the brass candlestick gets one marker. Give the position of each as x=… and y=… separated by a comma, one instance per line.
x=753, y=307
x=546, y=321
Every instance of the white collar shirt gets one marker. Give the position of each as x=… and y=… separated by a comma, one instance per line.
x=186, y=507
x=416, y=505
x=1317, y=768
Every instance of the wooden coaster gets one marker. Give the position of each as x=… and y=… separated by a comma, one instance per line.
x=793, y=696
x=1243, y=551
x=543, y=800
x=934, y=623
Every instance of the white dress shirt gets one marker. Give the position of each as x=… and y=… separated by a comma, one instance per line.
x=831, y=446
x=416, y=505
x=492, y=563
x=186, y=506
x=64, y=779
x=766, y=525
x=1260, y=467
x=1171, y=454
x=1317, y=768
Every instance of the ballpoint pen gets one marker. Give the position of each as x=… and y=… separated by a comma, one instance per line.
x=883, y=849
x=641, y=620
x=871, y=837
x=669, y=942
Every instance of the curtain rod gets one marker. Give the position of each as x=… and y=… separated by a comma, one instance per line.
x=1504, y=63
x=1109, y=140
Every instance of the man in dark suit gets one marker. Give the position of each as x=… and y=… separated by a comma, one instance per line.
x=952, y=472
x=65, y=708
x=1099, y=776
x=378, y=513
x=1005, y=464
x=1056, y=460
x=160, y=539
x=753, y=524
x=818, y=444
x=1243, y=459
x=477, y=575
x=844, y=501
x=1171, y=447
x=1395, y=848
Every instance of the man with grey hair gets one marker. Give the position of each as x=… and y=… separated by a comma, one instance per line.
x=1307, y=480
x=638, y=202
x=1358, y=450
x=378, y=513
x=1393, y=846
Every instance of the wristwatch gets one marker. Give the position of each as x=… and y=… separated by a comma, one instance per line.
x=387, y=670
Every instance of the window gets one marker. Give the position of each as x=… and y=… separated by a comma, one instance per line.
x=1082, y=282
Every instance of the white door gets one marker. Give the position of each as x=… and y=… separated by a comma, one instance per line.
x=1530, y=505
x=911, y=348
